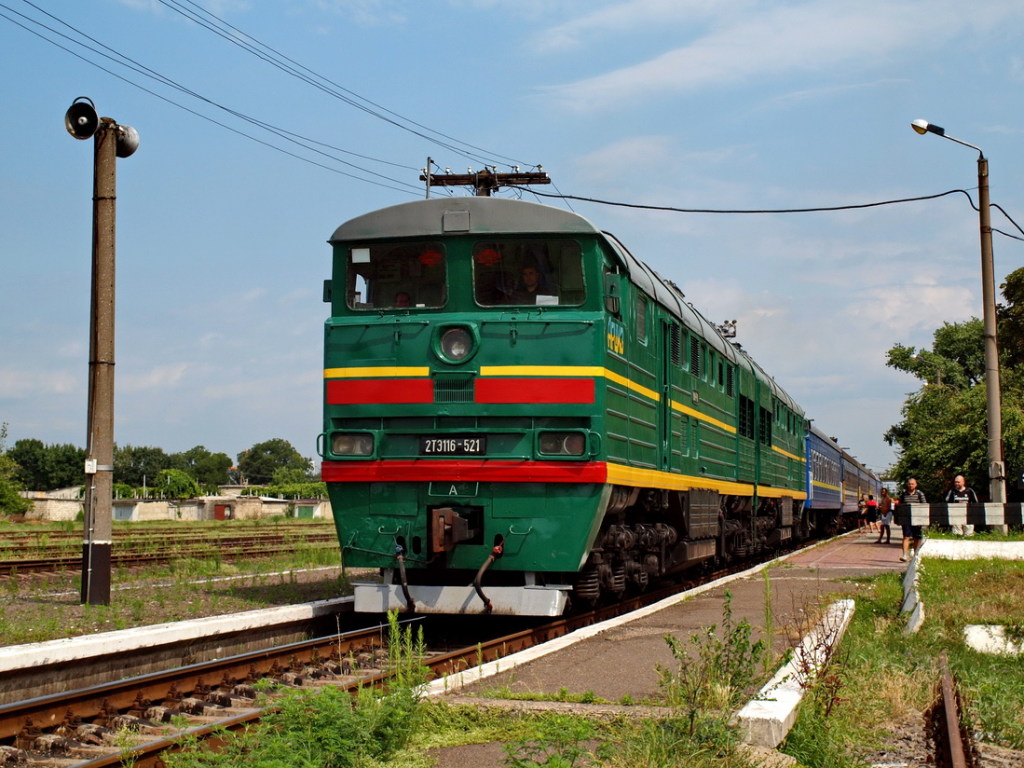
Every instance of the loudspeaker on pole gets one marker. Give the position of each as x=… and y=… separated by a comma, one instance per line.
x=81, y=119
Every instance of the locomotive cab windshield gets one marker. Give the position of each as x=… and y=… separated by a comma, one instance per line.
x=518, y=272
x=397, y=276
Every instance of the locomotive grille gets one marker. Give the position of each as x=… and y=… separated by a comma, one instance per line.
x=453, y=389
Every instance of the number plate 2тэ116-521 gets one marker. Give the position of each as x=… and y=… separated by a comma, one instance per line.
x=453, y=445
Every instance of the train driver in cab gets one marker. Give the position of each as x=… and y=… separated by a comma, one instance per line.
x=533, y=287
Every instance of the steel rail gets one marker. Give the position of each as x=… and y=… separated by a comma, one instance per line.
x=34, y=565
x=951, y=741
x=51, y=711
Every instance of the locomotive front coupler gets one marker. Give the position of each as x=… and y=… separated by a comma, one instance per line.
x=496, y=552
x=400, y=557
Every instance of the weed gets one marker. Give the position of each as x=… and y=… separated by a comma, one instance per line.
x=557, y=743
x=769, y=614
x=124, y=739
x=504, y=692
x=705, y=685
x=327, y=728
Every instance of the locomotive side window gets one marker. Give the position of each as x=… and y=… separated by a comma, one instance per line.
x=746, y=427
x=397, y=276
x=518, y=272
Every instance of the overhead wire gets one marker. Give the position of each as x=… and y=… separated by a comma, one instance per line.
x=817, y=209
x=129, y=63
x=292, y=67
x=274, y=57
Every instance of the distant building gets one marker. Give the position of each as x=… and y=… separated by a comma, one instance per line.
x=66, y=504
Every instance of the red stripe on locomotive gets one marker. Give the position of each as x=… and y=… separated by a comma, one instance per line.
x=371, y=391
x=482, y=470
x=564, y=391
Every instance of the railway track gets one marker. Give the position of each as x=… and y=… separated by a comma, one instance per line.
x=952, y=741
x=87, y=728
x=79, y=727
x=70, y=537
x=235, y=548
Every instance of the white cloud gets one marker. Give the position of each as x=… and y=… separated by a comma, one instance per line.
x=636, y=16
x=367, y=13
x=770, y=40
x=19, y=384
x=160, y=377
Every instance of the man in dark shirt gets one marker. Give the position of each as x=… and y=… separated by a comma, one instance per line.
x=912, y=534
x=961, y=494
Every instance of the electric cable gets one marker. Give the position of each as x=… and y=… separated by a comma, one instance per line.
x=200, y=114
x=317, y=81
x=819, y=209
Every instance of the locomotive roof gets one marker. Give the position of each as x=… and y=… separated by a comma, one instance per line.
x=495, y=215
x=454, y=215
x=829, y=441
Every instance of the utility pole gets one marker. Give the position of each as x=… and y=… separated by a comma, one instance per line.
x=111, y=141
x=485, y=181
x=993, y=394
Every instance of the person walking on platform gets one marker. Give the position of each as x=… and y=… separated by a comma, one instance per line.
x=871, y=512
x=862, y=514
x=961, y=494
x=912, y=534
x=885, y=506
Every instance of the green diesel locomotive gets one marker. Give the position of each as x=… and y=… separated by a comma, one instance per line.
x=519, y=414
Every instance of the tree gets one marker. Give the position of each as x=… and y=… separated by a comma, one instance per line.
x=207, y=468
x=11, y=503
x=943, y=432
x=46, y=467
x=176, y=484
x=1011, y=319
x=290, y=476
x=30, y=456
x=259, y=463
x=956, y=359
x=139, y=465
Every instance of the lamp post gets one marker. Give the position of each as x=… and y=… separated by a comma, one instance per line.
x=996, y=470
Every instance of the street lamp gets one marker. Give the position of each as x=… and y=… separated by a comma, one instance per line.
x=996, y=470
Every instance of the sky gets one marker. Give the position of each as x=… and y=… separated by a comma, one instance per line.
x=712, y=104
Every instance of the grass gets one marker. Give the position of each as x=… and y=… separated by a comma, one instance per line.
x=881, y=675
x=993, y=535
x=328, y=728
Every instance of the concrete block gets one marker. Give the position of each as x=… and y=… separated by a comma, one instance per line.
x=960, y=549
x=911, y=599
x=992, y=638
x=910, y=577
x=765, y=720
x=916, y=619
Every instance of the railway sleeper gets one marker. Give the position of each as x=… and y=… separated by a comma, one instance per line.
x=42, y=743
x=12, y=756
x=190, y=705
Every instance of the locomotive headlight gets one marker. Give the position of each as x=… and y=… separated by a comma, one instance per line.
x=563, y=443
x=351, y=444
x=456, y=344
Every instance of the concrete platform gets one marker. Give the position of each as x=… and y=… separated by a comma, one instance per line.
x=619, y=659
